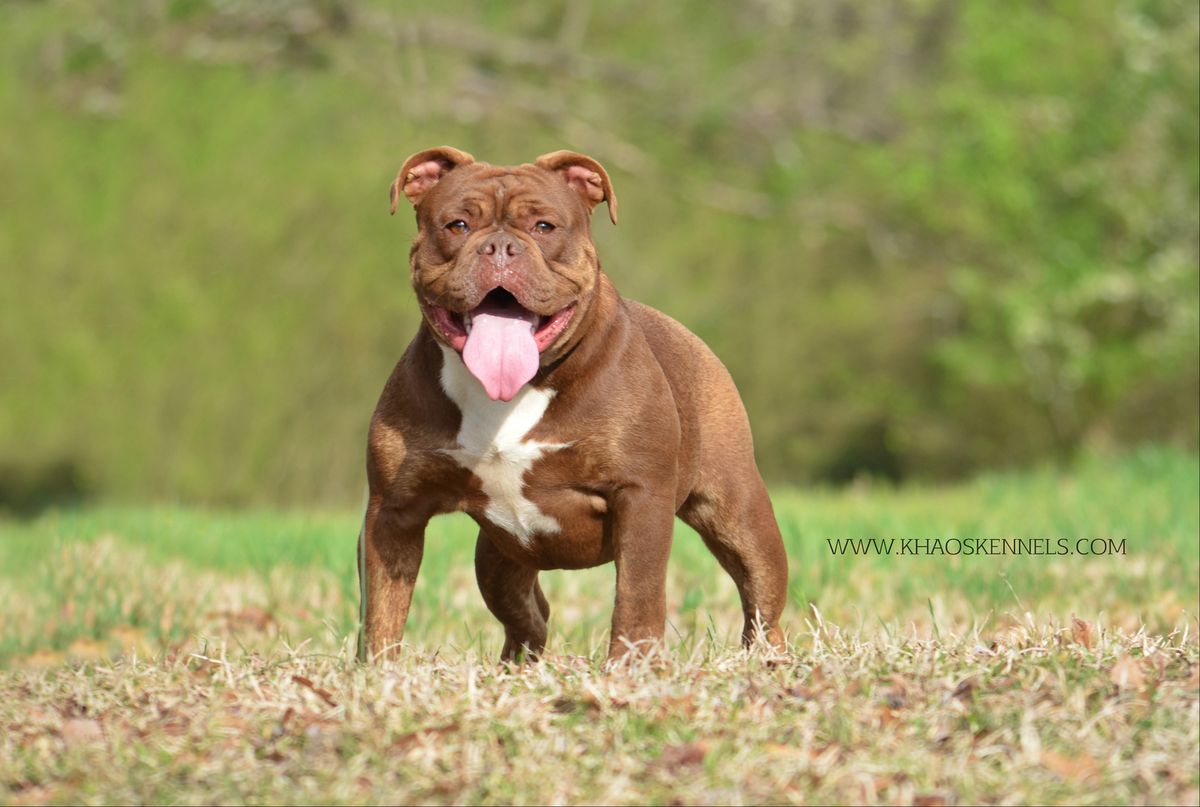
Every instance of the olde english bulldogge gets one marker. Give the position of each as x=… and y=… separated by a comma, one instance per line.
x=570, y=423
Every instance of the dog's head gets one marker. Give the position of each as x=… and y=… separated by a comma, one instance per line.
x=503, y=263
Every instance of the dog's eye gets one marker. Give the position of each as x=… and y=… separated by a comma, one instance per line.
x=458, y=227
x=544, y=227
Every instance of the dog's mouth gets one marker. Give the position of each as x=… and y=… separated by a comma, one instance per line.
x=500, y=340
x=455, y=327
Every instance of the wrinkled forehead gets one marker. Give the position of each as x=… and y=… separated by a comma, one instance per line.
x=489, y=190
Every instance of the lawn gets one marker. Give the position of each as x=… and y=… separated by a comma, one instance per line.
x=167, y=654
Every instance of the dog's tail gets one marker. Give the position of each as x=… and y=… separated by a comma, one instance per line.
x=362, y=582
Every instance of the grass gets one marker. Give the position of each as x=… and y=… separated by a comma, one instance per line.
x=173, y=655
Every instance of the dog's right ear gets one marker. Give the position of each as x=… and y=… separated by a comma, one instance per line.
x=423, y=170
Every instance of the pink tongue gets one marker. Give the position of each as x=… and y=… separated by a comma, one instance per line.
x=501, y=352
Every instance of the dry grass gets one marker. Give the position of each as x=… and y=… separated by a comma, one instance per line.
x=1028, y=710
x=1036, y=716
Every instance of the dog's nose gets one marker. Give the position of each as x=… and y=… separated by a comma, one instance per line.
x=501, y=246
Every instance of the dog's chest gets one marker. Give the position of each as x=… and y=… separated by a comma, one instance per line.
x=492, y=445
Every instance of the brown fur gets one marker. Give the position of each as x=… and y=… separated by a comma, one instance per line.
x=655, y=425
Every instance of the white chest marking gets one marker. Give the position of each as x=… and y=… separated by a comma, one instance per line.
x=490, y=446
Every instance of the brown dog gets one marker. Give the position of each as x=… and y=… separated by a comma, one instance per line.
x=571, y=424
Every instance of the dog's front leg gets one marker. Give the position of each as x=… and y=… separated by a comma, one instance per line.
x=643, y=522
x=389, y=557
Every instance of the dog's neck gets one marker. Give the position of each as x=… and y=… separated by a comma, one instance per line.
x=595, y=336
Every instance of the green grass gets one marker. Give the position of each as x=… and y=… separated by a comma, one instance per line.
x=208, y=656
x=1146, y=499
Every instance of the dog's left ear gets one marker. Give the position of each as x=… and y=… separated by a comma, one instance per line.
x=423, y=170
x=585, y=176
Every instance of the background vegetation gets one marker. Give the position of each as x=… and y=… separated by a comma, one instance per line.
x=927, y=237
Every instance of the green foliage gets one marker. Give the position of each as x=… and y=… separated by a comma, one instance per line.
x=926, y=237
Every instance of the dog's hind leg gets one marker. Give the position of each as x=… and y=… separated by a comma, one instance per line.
x=738, y=526
x=513, y=595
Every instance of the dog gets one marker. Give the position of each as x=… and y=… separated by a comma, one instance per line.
x=573, y=425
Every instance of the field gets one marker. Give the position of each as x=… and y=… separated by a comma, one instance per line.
x=184, y=656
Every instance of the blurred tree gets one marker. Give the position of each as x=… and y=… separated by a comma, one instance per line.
x=926, y=236
x=1074, y=178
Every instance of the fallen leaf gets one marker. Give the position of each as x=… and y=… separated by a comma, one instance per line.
x=80, y=730
x=683, y=755
x=1081, y=632
x=1073, y=769
x=799, y=692
x=409, y=739
x=588, y=704
x=929, y=800
x=965, y=689
x=323, y=694
x=234, y=724
x=26, y=792
x=887, y=780
x=1127, y=673
x=1006, y=682
x=174, y=726
x=255, y=617
x=785, y=751
x=673, y=704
